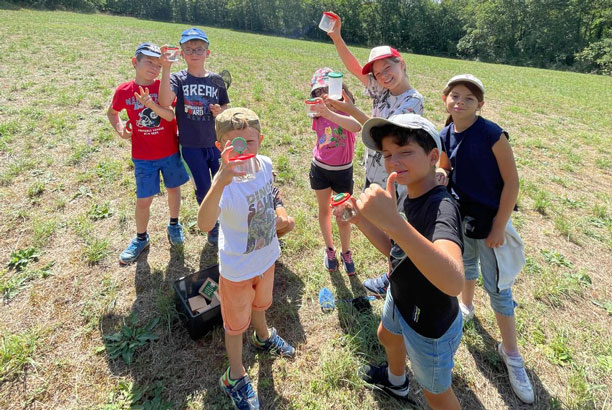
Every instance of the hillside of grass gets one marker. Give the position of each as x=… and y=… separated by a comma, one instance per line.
x=67, y=196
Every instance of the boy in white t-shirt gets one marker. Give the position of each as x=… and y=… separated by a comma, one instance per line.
x=248, y=249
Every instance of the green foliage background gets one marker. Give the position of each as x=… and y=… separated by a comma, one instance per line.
x=561, y=34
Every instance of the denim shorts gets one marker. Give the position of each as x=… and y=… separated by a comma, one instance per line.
x=475, y=250
x=147, y=174
x=431, y=360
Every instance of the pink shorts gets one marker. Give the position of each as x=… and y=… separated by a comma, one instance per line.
x=239, y=299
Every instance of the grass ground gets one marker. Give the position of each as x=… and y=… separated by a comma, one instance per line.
x=67, y=196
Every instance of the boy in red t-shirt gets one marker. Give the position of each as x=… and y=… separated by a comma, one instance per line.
x=152, y=130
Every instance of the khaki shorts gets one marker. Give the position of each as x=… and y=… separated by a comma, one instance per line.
x=239, y=299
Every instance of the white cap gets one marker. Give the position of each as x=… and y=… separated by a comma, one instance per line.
x=468, y=78
x=409, y=121
x=379, y=53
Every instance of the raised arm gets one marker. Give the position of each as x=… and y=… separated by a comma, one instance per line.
x=209, y=208
x=350, y=61
x=166, y=96
x=347, y=122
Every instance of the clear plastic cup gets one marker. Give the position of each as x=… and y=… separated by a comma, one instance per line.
x=342, y=203
x=172, y=53
x=327, y=21
x=335, y=86
x=249, y=167
x=309, y=104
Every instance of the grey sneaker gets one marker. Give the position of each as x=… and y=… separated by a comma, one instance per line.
x=175, y=234
x=378, y=286
x=518, y=376
x=377, y=376
x=133, y=251
x=242, y=394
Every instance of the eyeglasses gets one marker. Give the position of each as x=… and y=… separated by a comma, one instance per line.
x=199, y=51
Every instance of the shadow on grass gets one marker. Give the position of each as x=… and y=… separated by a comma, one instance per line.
x=189, y=370
x=493, y=368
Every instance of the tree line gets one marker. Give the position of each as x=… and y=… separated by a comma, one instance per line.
x=559, y=34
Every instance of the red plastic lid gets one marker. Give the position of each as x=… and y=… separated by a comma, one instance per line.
x=311, y=101
x=330, y=15
x=340, y=199
x=242, y=157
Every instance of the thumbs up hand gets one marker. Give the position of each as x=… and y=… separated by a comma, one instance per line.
x=379, y=205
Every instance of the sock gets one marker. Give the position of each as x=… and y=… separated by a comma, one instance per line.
x=396, y=380
x=173, y=221
x=227, y=380
x=142, y=236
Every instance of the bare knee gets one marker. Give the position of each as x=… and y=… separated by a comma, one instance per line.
x=444, y=400
x=144, y=203
x=387, y=338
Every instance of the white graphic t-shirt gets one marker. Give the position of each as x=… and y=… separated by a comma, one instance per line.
x=384, y=105
x=247, y=226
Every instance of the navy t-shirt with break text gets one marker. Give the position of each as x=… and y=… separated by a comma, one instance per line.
x=196, y=124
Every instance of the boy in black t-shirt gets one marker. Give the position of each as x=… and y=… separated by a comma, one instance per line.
x=421, y=317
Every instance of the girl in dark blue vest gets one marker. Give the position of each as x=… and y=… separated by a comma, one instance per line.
x=478, y=166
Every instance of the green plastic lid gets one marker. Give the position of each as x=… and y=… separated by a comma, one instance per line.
x=335, y=75
x=239, y=144
x=340, y=198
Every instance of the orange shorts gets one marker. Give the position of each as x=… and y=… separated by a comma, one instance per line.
x=239, y=299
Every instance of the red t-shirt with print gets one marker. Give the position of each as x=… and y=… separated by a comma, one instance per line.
x=152, y=136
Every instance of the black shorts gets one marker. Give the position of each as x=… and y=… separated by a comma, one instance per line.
x=338, y=181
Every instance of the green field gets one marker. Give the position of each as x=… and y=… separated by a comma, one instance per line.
x=67, y=197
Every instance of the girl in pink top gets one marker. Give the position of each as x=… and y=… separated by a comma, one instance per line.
x=331, y=170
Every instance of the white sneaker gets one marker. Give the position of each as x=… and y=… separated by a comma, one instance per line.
x=518, y=376
x=466, y=312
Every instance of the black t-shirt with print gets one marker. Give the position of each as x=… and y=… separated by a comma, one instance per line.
x=424, y=307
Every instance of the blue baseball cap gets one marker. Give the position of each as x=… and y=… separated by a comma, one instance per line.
x=148, y=49
x=193, y=34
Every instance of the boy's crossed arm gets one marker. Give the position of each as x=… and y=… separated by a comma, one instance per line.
x=440, y=262
x=145, y=99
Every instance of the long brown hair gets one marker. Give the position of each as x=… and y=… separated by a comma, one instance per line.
x=473, y=89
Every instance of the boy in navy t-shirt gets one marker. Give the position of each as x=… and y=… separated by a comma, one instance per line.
x=200, y=96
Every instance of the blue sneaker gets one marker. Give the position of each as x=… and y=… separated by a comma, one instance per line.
x=329, y=260
x=326, y=300
x=213, y=235
x=378, y=286
x=242, y=394
x=175, y=234
x=133, y=251
x=275, y=345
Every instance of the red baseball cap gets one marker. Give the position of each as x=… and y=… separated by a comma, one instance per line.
x=379, y=53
